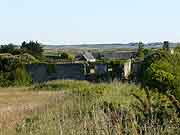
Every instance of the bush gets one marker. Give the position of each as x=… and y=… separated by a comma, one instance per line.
x=26, y=59
x=177, y=49
x=67, y=56
x=51, y=68
x=162, y=70
x=7, y=48
x=140, y=53
x=34, y=48
x=5, y=80
x=12, y=71
x=22, y=78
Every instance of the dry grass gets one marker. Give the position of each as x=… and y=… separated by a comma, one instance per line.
x=102, y=109
x=82, y=108
x=17, y=103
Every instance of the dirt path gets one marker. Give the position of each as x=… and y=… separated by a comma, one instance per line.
x=15, y=105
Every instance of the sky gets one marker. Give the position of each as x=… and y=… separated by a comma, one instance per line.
x=89, y=21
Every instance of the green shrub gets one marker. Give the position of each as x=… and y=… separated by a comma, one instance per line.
x=51, y=68
x=5, y=80
x=12, y=71
x=140, y=53
x=162, y=70
x=67, y=56
x=34, y=48
x=10, y=48
x=22, y=78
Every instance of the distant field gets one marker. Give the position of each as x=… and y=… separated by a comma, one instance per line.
x=104, y=46
x=75, y=51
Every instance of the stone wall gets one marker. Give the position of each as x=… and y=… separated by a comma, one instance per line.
x=118, y=72
x=136, y=71
x=101, y=69
x=46, y=72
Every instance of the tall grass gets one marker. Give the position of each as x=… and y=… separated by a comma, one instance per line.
x=101, y=109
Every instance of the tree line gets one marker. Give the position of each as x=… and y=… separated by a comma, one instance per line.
x=31, y=47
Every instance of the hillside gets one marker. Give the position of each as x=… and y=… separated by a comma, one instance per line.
x=108, y=46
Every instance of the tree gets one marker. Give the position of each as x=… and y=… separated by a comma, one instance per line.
x=162, y=70
x=33, y=48
x=7, y=48
x=166, y=45
x=147, y=51
x=140, y=53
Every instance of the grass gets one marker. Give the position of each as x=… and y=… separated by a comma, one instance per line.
x=17, y=103
x=94, y=109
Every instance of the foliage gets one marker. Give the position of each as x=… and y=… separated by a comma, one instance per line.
x=162, y=70
x=64, y=55
x=166, y=45
x=26, y=58
x=151, y=105
x=51, y=68
x=22, y=77
x=5, y=80
x=12, y=71
x=177, y=49
x=10, y=59
x=67, y=56
x=32, y=47
x=103, y=109
x=140, y=53
x=17, y=77
x=147, y=51
x=10, y=48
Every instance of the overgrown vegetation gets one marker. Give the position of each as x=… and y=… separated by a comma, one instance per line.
x=162, y=71
x=12, y=70
x=107, y=109
x=51, y=68
x=13, y=59
x=10, y=48
x=67, y=56
x=22, y=77
x=101, y=108
x=32, y=47
x=140, y=54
